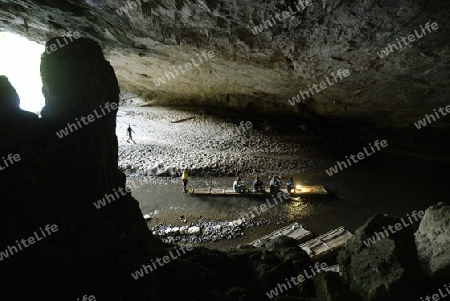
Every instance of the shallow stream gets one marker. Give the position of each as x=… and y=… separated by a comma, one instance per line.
x=381, y=183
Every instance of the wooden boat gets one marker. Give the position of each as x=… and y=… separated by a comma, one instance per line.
x=299, y=191
x=294, y=230
x=326, y=245
x=310, y=190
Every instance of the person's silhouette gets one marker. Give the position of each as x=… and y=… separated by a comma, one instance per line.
x=130, y=130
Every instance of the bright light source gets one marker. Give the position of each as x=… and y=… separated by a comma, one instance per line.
x=298, y=186
x=19, y=61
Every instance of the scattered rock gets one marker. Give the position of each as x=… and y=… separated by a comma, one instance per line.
x=209, y=231
x=194, y=230
x=385, y=270
x=433, y=241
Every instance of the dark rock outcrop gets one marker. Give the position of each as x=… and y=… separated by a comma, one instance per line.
x=433, y=241
x=331, y=287
x=73, y=95
x=8, y=96
x=385, y=269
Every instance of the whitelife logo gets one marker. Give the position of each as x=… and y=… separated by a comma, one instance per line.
x=437, y=297
x=125, y=9
x=423, y=122
x=187, y=66
x=112, y=197
x=284, y=15
x=11, y=159
x=323, y=85
x=72, y=127
x=411, y=38
x=244, y=125
x=66, y=39
x=86, y=298
x=146, y=269
x=398, y=226
x=118, y=193
x=253, y=211
x=11, y=250
x=318, y=268
x=360, y=155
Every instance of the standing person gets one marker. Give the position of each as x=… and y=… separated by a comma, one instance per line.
x=130, y=130
x=184, y=179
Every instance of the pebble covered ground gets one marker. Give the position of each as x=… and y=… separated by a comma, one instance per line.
x=167, y=140
x=206, y=231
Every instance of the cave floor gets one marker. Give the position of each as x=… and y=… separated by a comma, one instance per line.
x=386, y=182
x=169, y=139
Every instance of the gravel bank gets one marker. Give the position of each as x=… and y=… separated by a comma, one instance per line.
x=168, y=139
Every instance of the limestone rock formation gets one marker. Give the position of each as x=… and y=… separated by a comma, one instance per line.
x=433, y=241
x=83, y=101
x=10, y=99
x=386, y=269
x=57, y=183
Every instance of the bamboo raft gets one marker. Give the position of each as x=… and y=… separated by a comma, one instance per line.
x=319, y=248
x=312, y=190
x=294, y=230
x=326, y=245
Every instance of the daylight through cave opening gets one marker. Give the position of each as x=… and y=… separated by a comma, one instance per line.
x=19, y=61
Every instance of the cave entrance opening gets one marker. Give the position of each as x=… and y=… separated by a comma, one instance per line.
x=19, y=61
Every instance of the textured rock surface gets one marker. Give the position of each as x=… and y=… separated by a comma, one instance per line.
x=262, y=71
x=331, y=287
x=386, y=269
x=72, y=97
x=433, y=241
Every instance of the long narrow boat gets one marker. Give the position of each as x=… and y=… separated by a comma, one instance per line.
x=299, y=191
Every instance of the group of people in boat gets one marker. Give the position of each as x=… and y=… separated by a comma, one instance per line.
x=258, y=185
x=238, y=185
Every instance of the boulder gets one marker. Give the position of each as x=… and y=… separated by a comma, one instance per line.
x=281, y=242
x=433, y=241
x=384, y=270
x=183, y=230
x=173, y=231
x=331, y=287
x=194, y=230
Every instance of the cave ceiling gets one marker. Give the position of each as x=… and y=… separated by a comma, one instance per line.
x=225, y=62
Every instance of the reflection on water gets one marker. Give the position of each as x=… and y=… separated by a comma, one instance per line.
x=384, y=183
